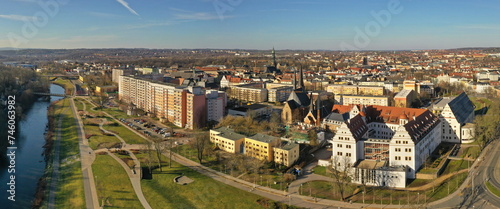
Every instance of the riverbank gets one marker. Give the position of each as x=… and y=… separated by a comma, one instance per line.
x=47, y=153
x=65, y=179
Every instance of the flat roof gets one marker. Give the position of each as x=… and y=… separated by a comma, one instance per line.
x=287, y=146
x=229, y=133
x=263, y=138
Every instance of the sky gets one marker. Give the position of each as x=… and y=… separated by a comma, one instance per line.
x=250, y=24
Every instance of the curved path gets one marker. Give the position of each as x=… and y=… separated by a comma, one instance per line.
x=134, y=174
x=87, y=157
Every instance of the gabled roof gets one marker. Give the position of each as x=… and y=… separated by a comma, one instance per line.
x=357, y=126
x=337, y=117
x=300, y=98
x=342, y=108
x=462, y=107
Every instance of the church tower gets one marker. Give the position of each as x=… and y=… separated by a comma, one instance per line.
x=274, y=58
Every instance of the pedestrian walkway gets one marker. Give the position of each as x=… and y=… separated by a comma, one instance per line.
x=55, y=164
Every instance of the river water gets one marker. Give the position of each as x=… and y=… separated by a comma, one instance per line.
x=29, y=162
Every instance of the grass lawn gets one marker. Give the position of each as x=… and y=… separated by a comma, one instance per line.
x=323, y=189
x=419, y=182
x=127, y=135
x=493, y=189
x=456, y=165
x=66, y=84
x=117, y=113
x=101, y=141
x=79, y=105
x=204, y=192
x=71, y=192
x=321, y=170
x=471, y=152
x=428, y=170
x=113, y=184
x=267, y=180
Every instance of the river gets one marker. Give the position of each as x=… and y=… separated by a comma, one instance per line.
x=29, y=162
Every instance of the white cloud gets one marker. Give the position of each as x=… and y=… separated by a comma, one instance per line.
x=18, y=17
x=125, y=4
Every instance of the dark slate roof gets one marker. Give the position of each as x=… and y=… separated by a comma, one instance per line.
x=462, y=107
x=337, y=117
x=300, y=98
x=292, y=104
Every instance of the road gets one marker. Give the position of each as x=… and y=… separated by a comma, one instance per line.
x=473, y=193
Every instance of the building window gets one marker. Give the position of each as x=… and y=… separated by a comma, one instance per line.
x=339, y=153
x=398, y=149
x=348, y=154
x=339, y=145
x=348, y=146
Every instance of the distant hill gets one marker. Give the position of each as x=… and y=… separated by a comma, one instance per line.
x=7, y=48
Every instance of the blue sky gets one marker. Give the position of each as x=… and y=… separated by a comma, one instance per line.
x=250, y=24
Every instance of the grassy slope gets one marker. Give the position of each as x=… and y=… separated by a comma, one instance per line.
x=71, y=192
x=113, y=182
x=204, y=192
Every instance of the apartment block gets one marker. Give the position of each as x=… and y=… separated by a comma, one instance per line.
x=405, y=98
x=216, y=105
x=356, y=90
x=364, y=100
x=228, y=140
x=185, y=107
x=286, y=154
x=260, y=146
x=279, y=94
x=249, y=93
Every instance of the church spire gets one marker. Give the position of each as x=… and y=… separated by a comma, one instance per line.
x=274, y=58
x=301, y=79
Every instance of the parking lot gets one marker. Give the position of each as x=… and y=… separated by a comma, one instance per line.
x=150, y=129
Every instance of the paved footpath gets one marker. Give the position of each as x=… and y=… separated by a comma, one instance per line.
x=55, y=165
x=133, y=174
x=87, y=157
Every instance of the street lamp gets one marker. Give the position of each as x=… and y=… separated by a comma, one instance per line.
x=261, y=180
x=418, y=197
x=363, y=197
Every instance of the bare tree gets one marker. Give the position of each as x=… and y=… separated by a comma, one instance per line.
x=201, y=143
x=341, y=173
x=159, y=148
x=149, y=159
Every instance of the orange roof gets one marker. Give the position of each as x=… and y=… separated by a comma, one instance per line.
x=341, y=109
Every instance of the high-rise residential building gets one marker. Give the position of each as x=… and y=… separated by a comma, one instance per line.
x=279, y=94
x=249, y=93
x=185, y=107
x=216, y=105
x=116, y=73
